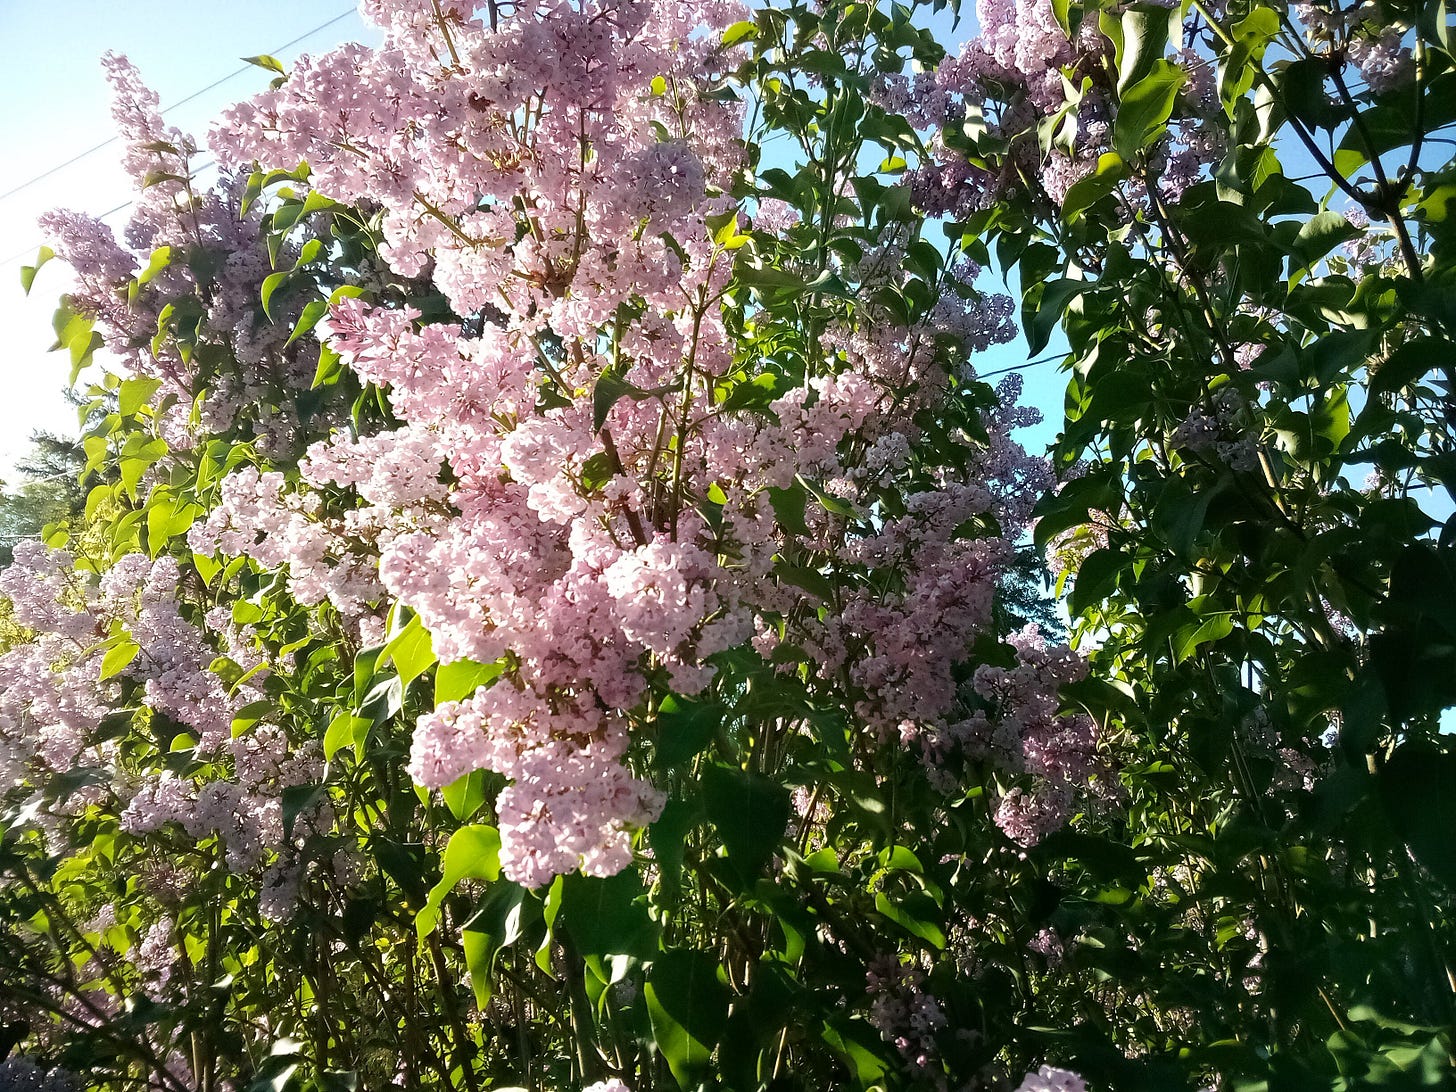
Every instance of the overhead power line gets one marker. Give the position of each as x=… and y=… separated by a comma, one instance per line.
x=1022, y=366
x=180, y=102
x=34, y=247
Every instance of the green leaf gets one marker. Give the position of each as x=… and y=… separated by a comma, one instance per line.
x=858, y=1045
x=788, y=505
x=264, y=60
x=607, y=915
x=138, y=454
x=117, y=657
x=250, y=714
x=462, y=678
x=410, y=650
x=271, y=284
x=914, y=914
x=739, y=32
x=365, y=662
x=473, y=852
x=156, y=178
x=1302, y=85
x=1179, y=515
x=668, y=838
x=345, y=730
x=750, y=812
x=315, y=202
x=726, y=233
x=134, y=394
x=1143, y=37
x=828, y=501
x=1042, y=309
x=1317, y=236
x=1410, y=363
x=608, y=389
x=160, y=260
x=1252, y=36
x=684, y=728
x=28, y=272
x=1189, y=639
x=1087, y=191
x=384, y=699
x=1145, y=108
x=687, y=1007
x=465, y=795
x=298, y=799
x=308, y=318
x=1391, y=125
x=1096, y=578
x=330, y=367
x=495, y=925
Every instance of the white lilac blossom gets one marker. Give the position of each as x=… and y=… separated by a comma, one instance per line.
x=1050, y=1079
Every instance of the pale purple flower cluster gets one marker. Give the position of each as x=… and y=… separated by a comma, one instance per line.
x=172, y=212
x=1220, y=433
x=1048, y=944
x=1358, y=33
x=572, y=543
x=1051, y=1079
x=1024, y=732
x=905, y=1015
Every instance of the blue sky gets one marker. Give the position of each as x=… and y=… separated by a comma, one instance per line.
x=58, y=107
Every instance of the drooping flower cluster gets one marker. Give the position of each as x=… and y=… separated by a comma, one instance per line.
x=906, y=1015
x=1026, y=733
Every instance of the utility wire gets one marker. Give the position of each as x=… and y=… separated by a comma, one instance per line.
x=196, y=173
x=180, y=102
x=1021, y=366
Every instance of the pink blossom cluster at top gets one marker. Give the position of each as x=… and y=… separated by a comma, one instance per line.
x=1342, y=33
x=1015, y=74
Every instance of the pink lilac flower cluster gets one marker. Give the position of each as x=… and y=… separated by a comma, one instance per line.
x=56, y=700
x=1023, y=732
x=1346, y=33
x=1020, y=72
x=525, y=523
x=906, y=1015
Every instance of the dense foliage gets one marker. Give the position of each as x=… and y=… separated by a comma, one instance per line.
x=554, y=609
